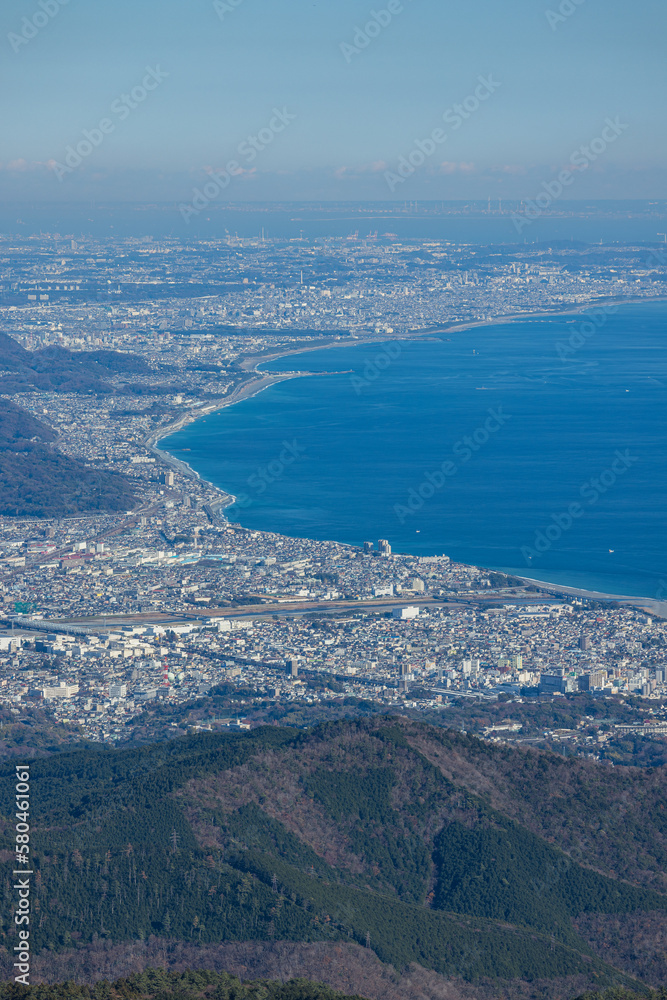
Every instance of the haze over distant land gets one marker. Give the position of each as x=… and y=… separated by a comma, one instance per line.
x=480, y=98
x=476, y=222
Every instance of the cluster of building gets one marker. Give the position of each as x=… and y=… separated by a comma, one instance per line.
x=106, y=615
x=96, y=630
x=107, y=292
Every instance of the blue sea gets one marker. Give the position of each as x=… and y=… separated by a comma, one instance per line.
x=536, y=447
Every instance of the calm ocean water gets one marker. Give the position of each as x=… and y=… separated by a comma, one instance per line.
x=532, y=446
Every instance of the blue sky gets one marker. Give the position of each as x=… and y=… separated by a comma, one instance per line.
x=351, y=114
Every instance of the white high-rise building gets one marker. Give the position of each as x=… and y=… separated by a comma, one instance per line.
x=406, y=613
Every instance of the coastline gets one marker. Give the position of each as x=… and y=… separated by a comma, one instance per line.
x=572, y=310
x=651, y=604
x=244, y=391
x=263, y=381
x=250, y=362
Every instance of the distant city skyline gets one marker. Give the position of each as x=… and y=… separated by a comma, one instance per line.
x=402, y=99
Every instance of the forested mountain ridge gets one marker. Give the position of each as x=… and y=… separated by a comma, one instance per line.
x=37, y=480
x=566, y=802
x=383, y=833
x=55, y=369
x=157, y=984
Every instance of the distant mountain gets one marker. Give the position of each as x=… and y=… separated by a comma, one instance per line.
x=18, y=427
x=55, y=369
x=37, y=480
x=381, y=841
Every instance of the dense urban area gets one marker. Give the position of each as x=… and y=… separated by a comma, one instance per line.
x=138, y=609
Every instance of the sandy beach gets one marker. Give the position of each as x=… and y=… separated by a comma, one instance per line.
x=245, y=391
x=650, y=604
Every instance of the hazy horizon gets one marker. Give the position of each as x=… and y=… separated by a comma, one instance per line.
x=393, y=101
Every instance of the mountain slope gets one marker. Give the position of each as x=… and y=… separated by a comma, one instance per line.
x=349, y=833
x=55, y=369
x=156, y=984
x=37, y=480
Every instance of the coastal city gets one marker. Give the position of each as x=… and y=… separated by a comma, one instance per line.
x=333, y=564
x=160, y=611
x=140, y=293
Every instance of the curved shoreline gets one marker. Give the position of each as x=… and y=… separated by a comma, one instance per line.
x=255, y=386
x=251, y=362
x=648, y=603
x=245, y=391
